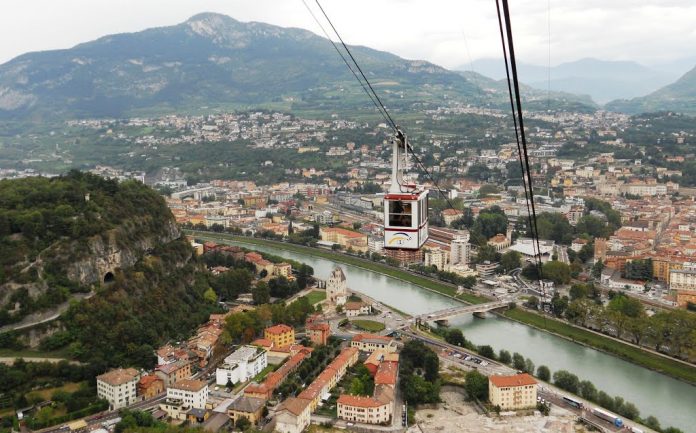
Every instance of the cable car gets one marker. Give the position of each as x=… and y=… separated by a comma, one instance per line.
x=405, y=205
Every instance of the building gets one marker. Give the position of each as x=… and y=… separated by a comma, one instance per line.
x=337, y=287
x=684, y=282
x=372, y=342
x=499, y=242
x=514, y=392
x=346, y=238
x=280, y=335
x=174, y=372
x=486, y=269
x=119, y=387
x=436, y=257
x=292, y=416
x=149, y=386
x=368, y=410
x=451, y=215
x=249, y=407
x=459, y=250
x=354, y=309
x=192, y=393
x=242, y=365
x=318, y=333
x=376, y=358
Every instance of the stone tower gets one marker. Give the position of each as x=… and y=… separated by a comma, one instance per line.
x=337, y=287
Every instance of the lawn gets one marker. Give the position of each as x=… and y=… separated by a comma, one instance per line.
x=445, y=289
x=48, y=392
x=316, y=296
x=262, y=375
x=368, y=325
x=28, y=353
x=633, y=354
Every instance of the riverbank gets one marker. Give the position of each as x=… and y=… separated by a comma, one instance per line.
x=664, y=365
x=624, y=351
x=442, y=288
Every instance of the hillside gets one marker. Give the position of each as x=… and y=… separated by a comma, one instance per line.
x=679, y=96
x=113, y=245
x=211, y=62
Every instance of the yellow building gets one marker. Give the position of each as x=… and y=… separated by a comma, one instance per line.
x=662, y=266
x=249, y=407
x=280, y=335
x=514, y=392
x=345, y=238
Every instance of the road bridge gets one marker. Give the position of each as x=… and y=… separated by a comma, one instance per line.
x=462, y=309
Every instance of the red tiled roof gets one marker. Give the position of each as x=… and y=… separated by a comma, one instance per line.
x=523, y=379
x=278, y=329
x=357, y=401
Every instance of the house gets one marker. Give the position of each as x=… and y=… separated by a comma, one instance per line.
x=249, y=407
x=368, y=410
x=353, y=309
x=193, y=393
x=318, y=333
x=170, y=354
x=451, y=215
x=174, y=372
x=375, y=358
x=197, y=416
x=280, y=335
x=578, y=243
x=243, y=364
x=150, y=386
x=372, y=342
x=320, y=388
x=292, y=416
x=346, y=238
x=514, y=392
x=274, y=379
x=119, y=387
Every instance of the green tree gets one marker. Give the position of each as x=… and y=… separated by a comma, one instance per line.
x=487, y=253
x=543, y=373
x=261, y=294
x=529, y=366
x=518, y=362
x=210, y=295
x=476, y=385
x=587, y=390
x=486, y=351
x=557, y=272
x=597, y=269
x=510, y=260
x=566, y=380
x=504, y=357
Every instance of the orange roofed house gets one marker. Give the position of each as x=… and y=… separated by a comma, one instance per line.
x=514, y=392
x=345, y=238
x=281, y=335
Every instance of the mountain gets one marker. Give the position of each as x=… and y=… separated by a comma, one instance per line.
x=96, y=264
x=679, y=96
x=602, y=80
x=211, y=60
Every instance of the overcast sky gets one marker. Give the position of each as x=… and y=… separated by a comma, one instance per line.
x=447, y=32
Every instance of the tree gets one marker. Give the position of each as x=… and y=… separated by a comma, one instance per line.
x=578, y=291
x=510, y=260
x=533, y=302
x=559, y=304
x=210, y=295
x=593, y=227
x=543, y=373
x=587, y=390
x=518, y=362
x=261, y=294
x=476, y=385
x=504, y=357
x=566, y=380
x=456, y=337
x=486, y=351
x=652, y=422
x=597, y=269
x=487, y=253
x=529, y=366
x=629, y=410
x=243, y=423
x=558, y=272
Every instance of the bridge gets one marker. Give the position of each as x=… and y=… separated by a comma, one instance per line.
x=462, y=309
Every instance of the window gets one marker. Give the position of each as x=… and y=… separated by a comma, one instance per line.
x=400, y=213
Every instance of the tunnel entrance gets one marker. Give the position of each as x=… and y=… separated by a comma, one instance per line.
x=108, y=278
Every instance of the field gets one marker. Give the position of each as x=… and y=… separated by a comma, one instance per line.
x=633, y=354
x=316, y=296
x=368, y=325
x=262, y=375
x=48, y=392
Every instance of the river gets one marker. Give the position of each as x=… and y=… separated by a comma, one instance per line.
x=673, y=402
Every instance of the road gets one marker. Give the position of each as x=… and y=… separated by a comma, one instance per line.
x=40, y=318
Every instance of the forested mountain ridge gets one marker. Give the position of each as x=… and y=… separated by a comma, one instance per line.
x=80, y=233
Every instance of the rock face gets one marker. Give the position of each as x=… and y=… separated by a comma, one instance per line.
x=104, y=257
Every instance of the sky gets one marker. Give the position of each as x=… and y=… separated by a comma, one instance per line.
x=451, y=33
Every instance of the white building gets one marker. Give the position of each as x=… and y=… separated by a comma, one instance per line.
x=436, y=257
x=193, y=393
x=459, y=250
x=512, y=392
x=293, y=415
x=118, y=387
x=242, y=365
x=337, y=287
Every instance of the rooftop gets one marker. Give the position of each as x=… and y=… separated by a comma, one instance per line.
x=189, y=385
x=523, y=379
x=119, y=376
x=278, y=329
x=247, y=404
